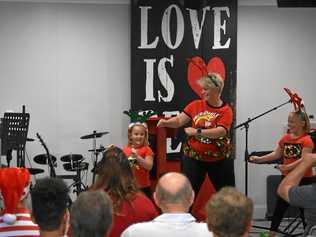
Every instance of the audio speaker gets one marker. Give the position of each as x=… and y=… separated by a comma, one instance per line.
x=273, y=182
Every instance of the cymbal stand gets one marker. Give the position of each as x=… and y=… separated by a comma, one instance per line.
x=95, y=153
x=78, y=184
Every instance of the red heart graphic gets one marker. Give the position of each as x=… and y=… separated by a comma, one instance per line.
x=197, y=69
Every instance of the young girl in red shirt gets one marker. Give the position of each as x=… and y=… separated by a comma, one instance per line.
x=140, y=155
x=290, y=149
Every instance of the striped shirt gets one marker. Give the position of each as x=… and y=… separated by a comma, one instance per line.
x=22, y=227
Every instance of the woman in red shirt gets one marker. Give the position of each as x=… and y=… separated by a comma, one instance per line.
x=207, y=149
x=130, y=205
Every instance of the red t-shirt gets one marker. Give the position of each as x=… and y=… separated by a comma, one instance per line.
x=141, y=174
x=292, y=149
x=140, y=209
x=205, y=116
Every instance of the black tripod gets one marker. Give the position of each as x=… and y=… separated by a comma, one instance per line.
x=78, y=184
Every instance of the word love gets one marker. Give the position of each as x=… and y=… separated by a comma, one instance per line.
x=219, y=26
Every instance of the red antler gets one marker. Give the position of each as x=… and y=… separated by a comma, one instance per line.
x=295, y=99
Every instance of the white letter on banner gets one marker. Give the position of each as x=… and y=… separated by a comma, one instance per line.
x=165, y=79
x=165, y=27
x=150, y=79
x=218, y=27
x=144, y=30
x=196, y=27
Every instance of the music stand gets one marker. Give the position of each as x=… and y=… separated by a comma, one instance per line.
x=14, y=133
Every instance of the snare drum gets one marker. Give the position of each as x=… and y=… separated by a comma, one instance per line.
x=76, y=166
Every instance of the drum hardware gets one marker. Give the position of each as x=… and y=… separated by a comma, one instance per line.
x=98, y=150
x=66, y=176
x=75, y=166
x=74, y=163
x=42, y=159
x=71, y=158
x=30, y=139
x=94, y=136
x=50, y=162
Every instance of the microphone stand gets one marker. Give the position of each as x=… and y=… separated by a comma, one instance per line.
x=245, y=125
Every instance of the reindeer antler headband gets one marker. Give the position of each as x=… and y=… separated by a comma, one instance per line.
x=295, y=100
x=138, y=118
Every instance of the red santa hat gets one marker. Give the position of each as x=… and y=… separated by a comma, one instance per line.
x=14, y=186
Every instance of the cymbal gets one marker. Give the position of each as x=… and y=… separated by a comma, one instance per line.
x=94, y=135
x=42, y=159
x=98, y=149
x=71, y=158
x=35, y=171
x=30, y=139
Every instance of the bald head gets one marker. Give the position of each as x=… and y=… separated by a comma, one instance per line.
x=174, y=190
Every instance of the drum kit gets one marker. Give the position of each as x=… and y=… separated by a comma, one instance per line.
x=73, y=162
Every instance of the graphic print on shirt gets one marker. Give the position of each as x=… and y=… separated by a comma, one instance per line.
x=205, y=119
x=292, y=151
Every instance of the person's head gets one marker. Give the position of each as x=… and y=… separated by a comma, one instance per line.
x=298, y=122
x=229, y=213
x=14, y=188
x=49, y=204
x=212, y=85
x=137, y=135
x=115, y=176
x=174, y=193
x=91, y=214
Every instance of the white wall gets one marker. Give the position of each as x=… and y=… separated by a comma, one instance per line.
x=275, y=50
x=70, y=65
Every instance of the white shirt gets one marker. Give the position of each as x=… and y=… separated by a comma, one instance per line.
x=171, y=224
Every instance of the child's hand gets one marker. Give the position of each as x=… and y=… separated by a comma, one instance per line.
x=134, y=152
x=254, y=159
x=283, y=168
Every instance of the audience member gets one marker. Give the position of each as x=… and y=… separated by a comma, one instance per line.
x=15, y=219
x=174, y=196
x=229, y=213
x=49, y=206
x=130, y=206
x=91, y=214
x=301, y=196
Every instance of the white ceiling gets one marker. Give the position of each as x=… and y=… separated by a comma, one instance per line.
x=240, y=2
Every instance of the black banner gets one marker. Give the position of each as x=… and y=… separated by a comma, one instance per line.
x=171, y=41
